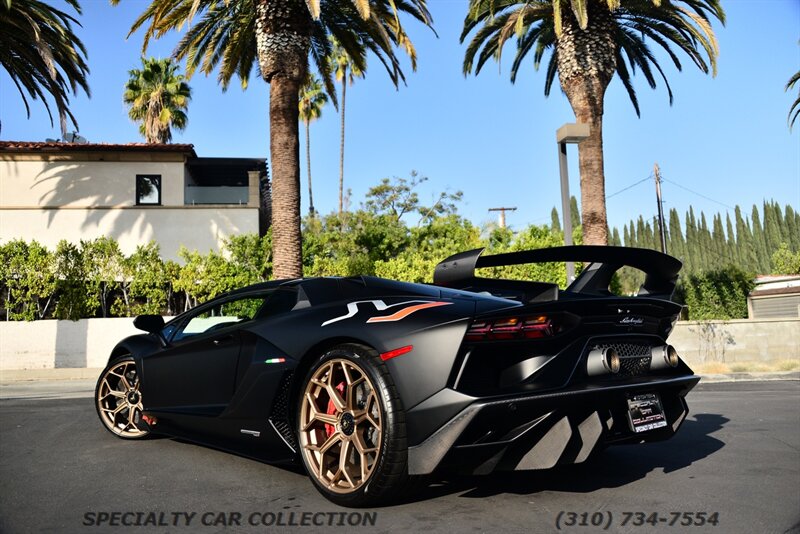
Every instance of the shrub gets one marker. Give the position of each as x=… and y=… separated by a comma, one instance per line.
x=720, y=294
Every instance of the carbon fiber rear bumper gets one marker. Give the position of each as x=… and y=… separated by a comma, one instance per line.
x=538, y=431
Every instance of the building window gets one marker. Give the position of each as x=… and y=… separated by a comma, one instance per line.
x=148, y=190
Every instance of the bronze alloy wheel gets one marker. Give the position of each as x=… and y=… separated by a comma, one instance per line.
x=118, y=399
x=341, y=426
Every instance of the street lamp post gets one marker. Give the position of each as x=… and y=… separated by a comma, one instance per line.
x=568, y=133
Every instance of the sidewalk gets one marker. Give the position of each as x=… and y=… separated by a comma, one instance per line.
x=65, y=383
x=65, y=373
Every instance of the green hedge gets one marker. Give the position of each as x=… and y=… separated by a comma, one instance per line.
x=719, y=294
x=95, y=279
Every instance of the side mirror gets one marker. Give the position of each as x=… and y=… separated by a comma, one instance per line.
x=152, y=324
x=149, y=323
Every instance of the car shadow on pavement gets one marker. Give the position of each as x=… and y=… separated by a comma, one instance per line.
x=612, y=468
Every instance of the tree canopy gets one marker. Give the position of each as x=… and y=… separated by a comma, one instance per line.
x=157, y=97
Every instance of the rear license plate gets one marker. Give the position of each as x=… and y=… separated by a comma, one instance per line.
x=645, y=412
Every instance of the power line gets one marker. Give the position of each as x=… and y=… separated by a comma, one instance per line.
x=643, y=180
x=698, y=194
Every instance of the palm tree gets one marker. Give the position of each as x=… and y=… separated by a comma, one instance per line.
x=279, y=35
x=794, y=111
x=346, y=70
x=312, y=99
x=157, y=97
x=590, y=41
x=42, y=55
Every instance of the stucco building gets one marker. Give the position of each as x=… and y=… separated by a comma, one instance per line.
x=775, y=296
x=131, y=192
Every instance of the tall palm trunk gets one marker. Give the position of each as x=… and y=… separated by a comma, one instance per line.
x=308, y=167
x=155, y=131
x=284, y=147
x=586, y=64
x=341, y=144
x=282, y=31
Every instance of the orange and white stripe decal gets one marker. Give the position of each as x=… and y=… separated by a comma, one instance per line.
x=405, y=312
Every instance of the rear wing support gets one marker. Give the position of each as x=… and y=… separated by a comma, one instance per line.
x=661, y=270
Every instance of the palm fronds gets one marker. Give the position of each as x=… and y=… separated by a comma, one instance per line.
x=679, y=25
x=794, y=111
x=42, y=55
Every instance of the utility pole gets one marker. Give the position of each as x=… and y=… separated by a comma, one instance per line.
x=661, y=227
x=502, y=219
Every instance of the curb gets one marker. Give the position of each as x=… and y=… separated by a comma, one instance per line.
x=749, y=377
x=91, y=373
x=64, y=373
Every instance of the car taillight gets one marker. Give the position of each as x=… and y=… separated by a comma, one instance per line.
x=533, y=327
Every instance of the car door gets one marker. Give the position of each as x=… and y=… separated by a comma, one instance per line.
x=196, y=373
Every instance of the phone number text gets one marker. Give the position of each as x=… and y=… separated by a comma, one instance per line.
x=607, y=519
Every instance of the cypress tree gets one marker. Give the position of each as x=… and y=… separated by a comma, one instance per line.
x=615, y=240
x=772, y=238
x=797, y=227
x=574, y=212
x=741, y=229
x=744, y=242
x=774, y=227
x=632, y=234
x=650, y=237
x=691, y=241
x=555, y=222
x=718, y=236
x=791, y=229
x=705, y=253
x=701, y=247
x=641, y=235
x=780, y=222
x=677, y=245
x=733, y=251
x=760, y=246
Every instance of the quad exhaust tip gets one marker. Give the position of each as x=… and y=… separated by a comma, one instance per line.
x=663, y=357
x=602, y=361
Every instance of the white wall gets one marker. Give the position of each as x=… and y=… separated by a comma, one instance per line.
x=88, y=342
x=738, y=340
x=200, y=228
x=56, y=344
x=32, y=183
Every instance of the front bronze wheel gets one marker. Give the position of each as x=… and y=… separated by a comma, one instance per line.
x=340, y=426
x=351, y=427
x=118, y=400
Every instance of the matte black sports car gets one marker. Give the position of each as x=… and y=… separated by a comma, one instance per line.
x=373, y=382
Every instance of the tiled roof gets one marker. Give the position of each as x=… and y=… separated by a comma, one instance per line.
x=29, y=146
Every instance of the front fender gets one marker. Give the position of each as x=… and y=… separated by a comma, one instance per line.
x=138, y=345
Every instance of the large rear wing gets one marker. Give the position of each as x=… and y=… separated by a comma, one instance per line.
x=661, y=270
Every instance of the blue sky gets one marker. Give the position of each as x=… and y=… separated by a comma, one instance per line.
x=725, y=138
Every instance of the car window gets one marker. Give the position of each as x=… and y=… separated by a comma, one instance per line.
x=221, y=316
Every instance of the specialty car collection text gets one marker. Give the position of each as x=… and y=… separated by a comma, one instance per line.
x=228, y=519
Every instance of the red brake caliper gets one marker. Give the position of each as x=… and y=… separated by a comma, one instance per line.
x=329, y=429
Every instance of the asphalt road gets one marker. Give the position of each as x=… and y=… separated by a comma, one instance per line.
x=737, y=455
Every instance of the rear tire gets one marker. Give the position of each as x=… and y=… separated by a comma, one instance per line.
x=351, y=428
x=117, y=398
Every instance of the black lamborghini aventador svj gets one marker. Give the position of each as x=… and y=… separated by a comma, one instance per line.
x=372, y=383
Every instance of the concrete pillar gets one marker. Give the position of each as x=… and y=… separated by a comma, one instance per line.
x=253, y=179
